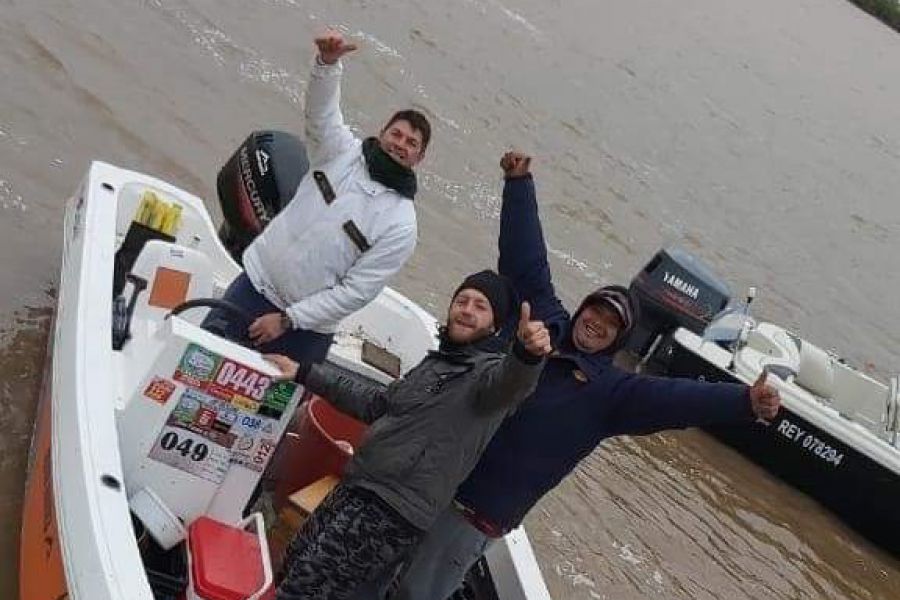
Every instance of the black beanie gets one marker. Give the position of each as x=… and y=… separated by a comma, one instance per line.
x=496, y=288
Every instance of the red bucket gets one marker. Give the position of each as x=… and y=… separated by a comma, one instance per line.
x=319, y=444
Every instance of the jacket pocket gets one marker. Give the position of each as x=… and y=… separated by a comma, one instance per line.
x=356, y=236
x=410, y=459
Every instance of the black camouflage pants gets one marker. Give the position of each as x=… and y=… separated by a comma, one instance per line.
x=349, y=539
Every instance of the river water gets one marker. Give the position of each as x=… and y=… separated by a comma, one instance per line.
x=763, y=136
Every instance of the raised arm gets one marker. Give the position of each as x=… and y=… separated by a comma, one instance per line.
x=326, y=133
x=508, y=381
x=362, y=282
x=649, y=404
x=523, y=252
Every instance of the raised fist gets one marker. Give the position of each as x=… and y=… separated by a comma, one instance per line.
x=332, y=46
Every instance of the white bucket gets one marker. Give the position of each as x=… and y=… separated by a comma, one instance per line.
x=161, y=522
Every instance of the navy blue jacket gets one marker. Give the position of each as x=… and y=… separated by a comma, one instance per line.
x=581, y=399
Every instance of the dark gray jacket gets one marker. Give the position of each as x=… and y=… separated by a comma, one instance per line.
x=428, y=428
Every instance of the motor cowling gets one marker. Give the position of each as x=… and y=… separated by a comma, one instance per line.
x=256, y=183
x=674, y=289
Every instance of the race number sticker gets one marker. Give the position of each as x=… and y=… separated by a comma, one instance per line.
x=191, y=453
x=253, y=452
x=240, y=385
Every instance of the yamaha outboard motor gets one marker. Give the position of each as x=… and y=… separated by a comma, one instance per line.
x=675, y=289
x=258, y=180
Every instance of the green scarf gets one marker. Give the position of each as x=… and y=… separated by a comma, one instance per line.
x=387, y=171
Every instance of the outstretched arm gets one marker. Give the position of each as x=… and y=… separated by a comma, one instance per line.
x=360, y=399
x=326, y=133
x=649, y=404
x=523, y=252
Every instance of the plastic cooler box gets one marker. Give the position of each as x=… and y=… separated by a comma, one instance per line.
x=227, y=562
x=320, y=444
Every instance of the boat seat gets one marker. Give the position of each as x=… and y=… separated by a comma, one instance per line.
x=776, y=342
x=173, y=273
x=752, y=362
x=767, y=346
x=859, y=397
x=815, y=373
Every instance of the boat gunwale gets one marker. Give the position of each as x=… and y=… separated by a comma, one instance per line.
x=85, y=449
x=828, y=419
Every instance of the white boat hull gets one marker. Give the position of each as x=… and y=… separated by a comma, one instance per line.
x=77, y=537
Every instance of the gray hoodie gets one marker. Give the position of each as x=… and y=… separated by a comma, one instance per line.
x=429, y=428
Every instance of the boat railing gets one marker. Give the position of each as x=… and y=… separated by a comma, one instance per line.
x=893, y=411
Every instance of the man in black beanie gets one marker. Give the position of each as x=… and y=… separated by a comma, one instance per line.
x=427, y=431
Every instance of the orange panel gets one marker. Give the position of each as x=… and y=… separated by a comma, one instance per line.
x=41, y=573
x=169, y=289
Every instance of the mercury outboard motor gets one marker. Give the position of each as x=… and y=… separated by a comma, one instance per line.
x=258, y=181
x=675, y=289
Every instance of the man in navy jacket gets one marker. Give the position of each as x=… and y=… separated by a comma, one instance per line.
x=581, y=399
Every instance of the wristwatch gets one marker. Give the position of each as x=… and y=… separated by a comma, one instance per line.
x=286, y=322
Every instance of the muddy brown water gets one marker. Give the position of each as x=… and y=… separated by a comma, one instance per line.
x=763, y=136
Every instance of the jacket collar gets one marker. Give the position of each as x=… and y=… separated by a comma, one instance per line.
x=592, y=365
x=467, y=353
x=386, y=171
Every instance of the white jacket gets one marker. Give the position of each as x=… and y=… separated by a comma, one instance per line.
x=304, y=262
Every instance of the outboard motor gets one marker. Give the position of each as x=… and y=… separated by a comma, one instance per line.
x=675, y=289
x=258, y=181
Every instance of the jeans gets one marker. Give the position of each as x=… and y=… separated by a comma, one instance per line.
x=440, y=561
x=299, y=344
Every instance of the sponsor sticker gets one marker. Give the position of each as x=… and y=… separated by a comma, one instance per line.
x=206, y=416
x=159, y=390
x=197, y=366
x=186, y=410
x=227, y=414
x=253, y=452
x=276, y=399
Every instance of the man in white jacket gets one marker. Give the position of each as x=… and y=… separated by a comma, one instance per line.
x=350, y=226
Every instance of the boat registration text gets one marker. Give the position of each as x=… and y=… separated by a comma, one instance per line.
x=810, y=443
